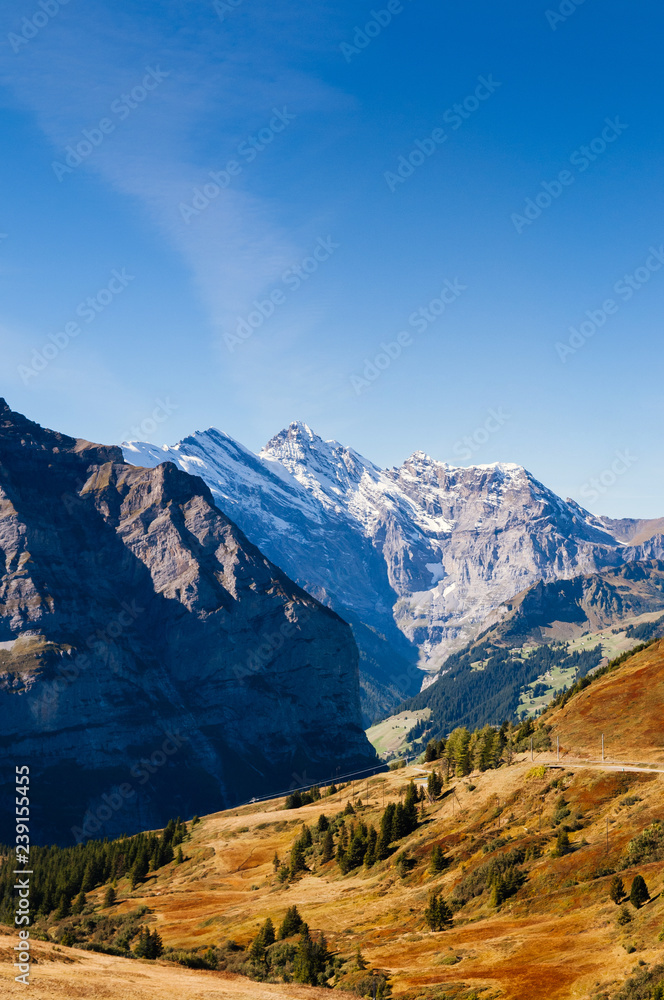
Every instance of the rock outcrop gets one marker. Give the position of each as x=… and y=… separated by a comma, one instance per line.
x=152, y=660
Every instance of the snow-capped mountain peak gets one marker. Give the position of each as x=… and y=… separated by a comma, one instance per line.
x=415, y=557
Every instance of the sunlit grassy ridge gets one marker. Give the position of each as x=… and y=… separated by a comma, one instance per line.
x=532, y=917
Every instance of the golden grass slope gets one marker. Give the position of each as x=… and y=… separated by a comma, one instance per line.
x=627, y=706
x=556, y=939
x=72, y=974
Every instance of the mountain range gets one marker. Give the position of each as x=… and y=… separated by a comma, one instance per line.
x=415, y=557
x=152, y=660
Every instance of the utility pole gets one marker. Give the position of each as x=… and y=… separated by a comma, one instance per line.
x=607, y=834
x=558, y=747
x=602, y=747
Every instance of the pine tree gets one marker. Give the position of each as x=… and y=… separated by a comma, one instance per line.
x=399, y=823
x=499, y=891
x=262, y=941
x=410, y=807
x=156, y=946
x=180, y=856
x=431, y=752
x=110, y=897
x=328, y=847
x=88, y=882
x=291, y=923
x=323, y=823
x=617, y=890
x=356, y=848
x=638, y=894
x=79, y=903
x=434, y=785
x=143, y=944
x=562, y=844
x=386, y=824
x=437, y=861
x=140, y=867
x=438, y=914
x=297, y=862
x=370, y=854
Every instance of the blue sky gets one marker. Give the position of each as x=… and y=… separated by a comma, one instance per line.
x=298, y=126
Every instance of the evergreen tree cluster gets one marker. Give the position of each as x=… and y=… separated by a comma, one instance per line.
x=437, y=913
x=149, y=944
x=350, y=841
x=503, y=872
x=308, y=961
x=464, y=696
x=63, y=875
x=298, y=799
x=484, y=749
x=646, y=846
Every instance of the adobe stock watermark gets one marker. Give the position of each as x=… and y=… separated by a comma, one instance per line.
x=469, y=445
x=625, y=289
x=100, y=643
x=292, y=278
x=31, y=26
x=454, y=116
x=119, y=796
x=598, y=485
x=158, y=415
x=375, y=25
x=248, y=150
x=87, y=310
x=261, y=656
x=224, y=7
x=420, y=320
x=564, y=11
x=120, y=108
x=581, y=159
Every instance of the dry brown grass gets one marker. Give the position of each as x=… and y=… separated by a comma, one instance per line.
x=70, y=974
x=627, y=706
x=557, y=938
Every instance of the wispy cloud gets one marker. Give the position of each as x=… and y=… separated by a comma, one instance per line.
x=220, y=84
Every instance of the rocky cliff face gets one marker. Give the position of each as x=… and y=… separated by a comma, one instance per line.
x=567, y=609
x=414, y=557
x=152, y=660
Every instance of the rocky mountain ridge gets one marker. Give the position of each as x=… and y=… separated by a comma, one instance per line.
x=152, y=660
x=415, y=557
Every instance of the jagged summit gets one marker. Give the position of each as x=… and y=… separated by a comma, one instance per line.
x=415, y=556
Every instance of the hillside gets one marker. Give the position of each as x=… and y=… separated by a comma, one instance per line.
x=626, y=705
x=151, y=657
x=568, y=609
x=553, y=932
x=538, y=643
